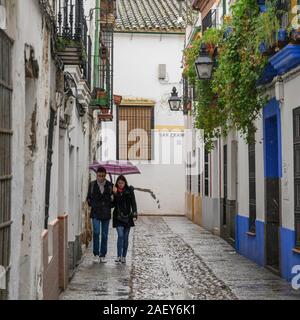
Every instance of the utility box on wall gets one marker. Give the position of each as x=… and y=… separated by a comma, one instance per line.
x=162, y=71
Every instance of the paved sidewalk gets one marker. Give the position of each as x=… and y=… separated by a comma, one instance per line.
x=172, y=258
x=101, y=281
x=245, y=278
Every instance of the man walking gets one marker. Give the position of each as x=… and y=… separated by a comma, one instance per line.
x=100, y=200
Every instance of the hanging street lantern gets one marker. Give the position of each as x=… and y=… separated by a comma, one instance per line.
x=204, y=64
x=175, y=101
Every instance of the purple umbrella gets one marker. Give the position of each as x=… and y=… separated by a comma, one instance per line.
x=116, y=167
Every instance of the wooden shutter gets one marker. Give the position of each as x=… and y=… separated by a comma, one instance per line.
x=252, y=187
x=5, y=152
x=135, y=125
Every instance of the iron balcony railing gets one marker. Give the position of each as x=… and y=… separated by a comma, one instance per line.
x=210, y=20
x=72, y=30
x=283, y=8
x=107, y=20
x=70, y=19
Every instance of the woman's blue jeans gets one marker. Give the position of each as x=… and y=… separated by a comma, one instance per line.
x=123, y=236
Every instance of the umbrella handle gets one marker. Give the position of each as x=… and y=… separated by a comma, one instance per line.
x=110, y=177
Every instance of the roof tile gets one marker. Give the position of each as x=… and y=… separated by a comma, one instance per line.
x=150, y=15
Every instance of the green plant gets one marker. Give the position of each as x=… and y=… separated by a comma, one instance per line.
x=231, y=99
x=84, y=55
x=62, y=43
x=211, y=37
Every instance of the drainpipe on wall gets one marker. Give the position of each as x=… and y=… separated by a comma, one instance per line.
x=49, y=164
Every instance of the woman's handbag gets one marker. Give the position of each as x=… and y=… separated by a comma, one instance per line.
x=122, y=217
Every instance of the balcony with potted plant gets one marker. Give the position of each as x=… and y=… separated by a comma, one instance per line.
x=105, y=114
x=73, y=45
x=99, y=99
x=117, y=99
x=283, y=50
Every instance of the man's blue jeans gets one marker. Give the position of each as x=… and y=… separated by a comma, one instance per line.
x=104, y=226
x=123, y=235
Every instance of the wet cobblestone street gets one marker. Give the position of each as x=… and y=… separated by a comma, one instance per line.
x=166, y=267
x=171, y=258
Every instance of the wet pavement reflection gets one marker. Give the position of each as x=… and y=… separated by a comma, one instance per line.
x=171, y=258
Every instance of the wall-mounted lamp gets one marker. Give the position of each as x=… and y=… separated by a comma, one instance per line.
x=279, y=90
x=175, y=101
x=204, y=64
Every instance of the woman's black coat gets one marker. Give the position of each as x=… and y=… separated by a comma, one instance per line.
x=126, y=203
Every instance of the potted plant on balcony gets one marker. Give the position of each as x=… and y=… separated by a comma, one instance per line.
x=265, y=49
x=104, y=109
x=210, y=48
x=102, y=98
x=105, y=115
x=84, y=55
x=117, y=99
x=101, y=93
x=262, y=5
x=99, y=98
x=295, y=36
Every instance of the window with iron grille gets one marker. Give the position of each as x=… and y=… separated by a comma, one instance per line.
x=225, y=184
x=5, y=151
x=206, y=173
x=187, y=179
x=199, y=171
x=135, y=132
x=188, y=172
x=210, y=20
x=296, y=116
x=252, y=187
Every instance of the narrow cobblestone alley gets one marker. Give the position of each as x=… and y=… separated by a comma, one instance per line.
x=174, y=125
x=171, y=258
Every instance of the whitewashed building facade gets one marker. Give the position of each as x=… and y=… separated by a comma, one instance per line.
x=148, y=44
x=45, y=139
x=248, y=193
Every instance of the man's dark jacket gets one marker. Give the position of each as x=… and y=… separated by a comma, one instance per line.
x=101, y=204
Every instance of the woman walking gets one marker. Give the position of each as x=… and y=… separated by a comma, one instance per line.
x=125, y=211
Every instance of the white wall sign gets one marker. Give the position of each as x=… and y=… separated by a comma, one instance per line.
x=171, y=134
x=2, y=278
x=2, y=17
